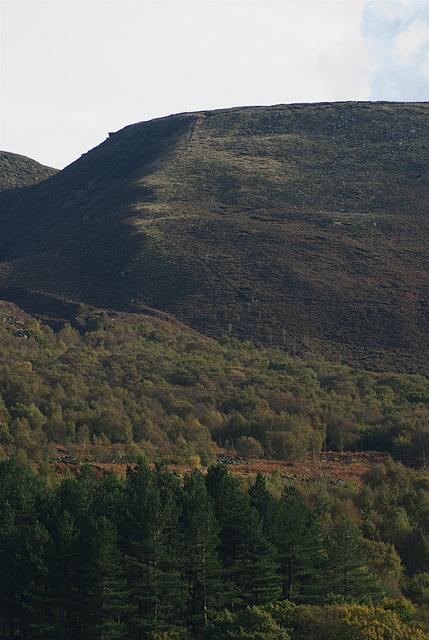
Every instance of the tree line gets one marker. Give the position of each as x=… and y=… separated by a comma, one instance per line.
x=155, y=556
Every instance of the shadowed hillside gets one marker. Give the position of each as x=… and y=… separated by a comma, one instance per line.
x=303, y=225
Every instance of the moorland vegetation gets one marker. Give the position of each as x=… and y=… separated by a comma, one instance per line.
x=300, y=226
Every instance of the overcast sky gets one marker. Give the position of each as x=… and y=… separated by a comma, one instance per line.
x=71, y=71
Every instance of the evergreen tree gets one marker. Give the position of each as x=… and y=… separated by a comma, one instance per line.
x=262, y=500
x=257, y=565
x=172, y=562
x=296, y=534
x=22, y=489
x=68, y=572
x=247, y=557
x=201, y=564
x=77, y=496
x=346, y=572
x=35, y=597
x=148, y=531
x=21, y=492
x=10, y=588
x=109, y=495
x=107, y=596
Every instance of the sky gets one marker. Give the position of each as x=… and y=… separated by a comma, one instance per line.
x=73, y=70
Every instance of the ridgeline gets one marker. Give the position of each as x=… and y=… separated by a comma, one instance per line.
x=301, y=226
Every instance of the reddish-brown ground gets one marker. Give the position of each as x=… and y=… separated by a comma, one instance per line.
x=331, y=466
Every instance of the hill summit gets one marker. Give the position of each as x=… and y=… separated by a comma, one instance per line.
x=298, y=225
x=18, y=171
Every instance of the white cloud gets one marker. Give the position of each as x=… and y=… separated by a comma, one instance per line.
x=397, y=34
x=409, y=43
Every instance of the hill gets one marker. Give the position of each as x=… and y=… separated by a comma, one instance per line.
x=18, y=171
x=302, y=226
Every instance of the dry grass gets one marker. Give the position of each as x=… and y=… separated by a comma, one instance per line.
x=329, y=466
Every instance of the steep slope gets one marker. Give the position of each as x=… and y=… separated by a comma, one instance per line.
x=302, y=225
x=18, y=171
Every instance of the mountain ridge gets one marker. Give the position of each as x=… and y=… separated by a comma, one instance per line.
x=296, y=225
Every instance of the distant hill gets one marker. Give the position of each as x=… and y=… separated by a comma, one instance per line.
x=19, y=171
x=297, y=225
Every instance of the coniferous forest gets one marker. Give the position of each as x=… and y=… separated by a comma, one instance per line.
x=154, y=555
x=205, y=554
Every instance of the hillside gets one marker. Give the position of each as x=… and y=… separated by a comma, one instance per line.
x=18, y=171
x=302, y=226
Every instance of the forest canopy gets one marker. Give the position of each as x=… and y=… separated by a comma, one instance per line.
x=176, y=394
x=159, y=557
x=204, y=555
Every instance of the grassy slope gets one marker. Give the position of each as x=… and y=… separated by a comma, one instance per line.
x=300, y=225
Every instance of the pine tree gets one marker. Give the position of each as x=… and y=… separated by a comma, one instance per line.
x=171, y=553
x=247, y=557
x=109, y=496
x=22, y=489
x=297, y=536
x=67, y=575
x=21, y=492
x=346, y=571
x=256, y=567
x=36, y=617
x=10, y=588
x=201, y=564
x=77, y=496
x=148, y=531
x=107, y=596
x=262, y=500
x=70, y=525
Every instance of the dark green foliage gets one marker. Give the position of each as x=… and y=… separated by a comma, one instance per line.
x=10, y=588
x=201, y=565
x=149, y=531
x=248, y=557
x=77, y=496
x=262, y=500
x=68, y=577
x=346, y=571
x=297, y=535
x=96, y=323
x=106, y=597
x=155, y=556
x=22, y=489
x=33, y=571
